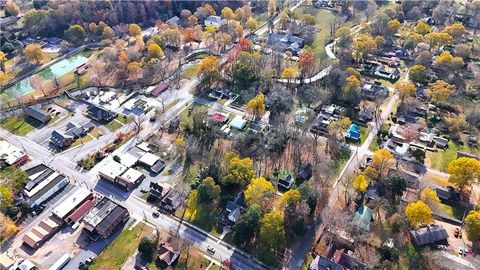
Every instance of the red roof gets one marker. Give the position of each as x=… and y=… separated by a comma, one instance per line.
x=159, y=89
x=219, y=117
x=80, y=211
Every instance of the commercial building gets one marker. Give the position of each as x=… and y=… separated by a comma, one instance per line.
x=118, y=173
x=42, y=232
x=11, y=155
x=38, y=114
x=43, y=183
x=104, y=218
x=70, y=204
x=112, y=170
x=130, y=178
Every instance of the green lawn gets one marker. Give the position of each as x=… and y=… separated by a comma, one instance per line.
x=364, y=133
x=191, y=71
x=195, y=261
x=440, y=160
x=117, y=123
x=95, y=133
x=453, y=211
x=19, y=125
x=117, y=253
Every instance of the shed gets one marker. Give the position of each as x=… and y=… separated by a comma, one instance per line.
x=428, y=235
x=238, y=123
x=363, y=218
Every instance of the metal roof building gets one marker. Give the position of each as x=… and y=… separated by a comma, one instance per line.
x=430, y=234
x=72, y=202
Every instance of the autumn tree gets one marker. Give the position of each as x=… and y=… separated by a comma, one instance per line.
x=227, y=13
x=423, y=28
x=154, y=51
x=456, y=30
x=350, y=71
x=108, y=33
x=306, y=61
x=272, y=232
x=291, y=198
x=272, y=7
x=210, y=66
x=33, y=53
x=308, y=19
x=238, y=171
x=392, y=26
x=7, y=227
x=438, y=39
x=208, y=191
x=360, y=183
x=463, y=171
x=430, y=197
x=192, y=20
x=379, y=41
x=416, y=73
x=260, y=191
x=351, y=86
x=363, y=44
x=404, y=89
x=289, y=73
x=11, y=9
x=472, y=223
x=257, y=105
x=381, y=161
x=283, y=19
x=252, y=24
x=446, y=61
x=210, y=9
x=248, y=224
x=343, y=34
x=3, y=59
x=135, y=70
x=75, y=34
x=440, y=90
x=418, y=213
x=134, y=30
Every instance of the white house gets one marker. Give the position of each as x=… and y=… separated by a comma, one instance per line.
x=216, y=21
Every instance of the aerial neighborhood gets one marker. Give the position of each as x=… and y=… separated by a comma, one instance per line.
x=275, y=134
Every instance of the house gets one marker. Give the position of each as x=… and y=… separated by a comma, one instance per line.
x=61, y=139
x=129, y=178
x=286, y=182
x=233, y=210
x=11, y=155
x=286, y=42
x=321, y=124
x=238, y=123
x=160, y=88
x=365, y=116
x=215, y=21
x=323, y=263
x=413, y=179
x=43, y=183
x=167, y=253
x=104, y=218
x=446, y=194
x=38, y=114
x=372, y=91
x=174, y=21
x=101, y=114
x=353, y=133
x=158, y=191
x=363, y=218
x=431, y=234
x=397, y=148
x=172, y=200
x=304, y=172
x=152, y=161
x=388, y=73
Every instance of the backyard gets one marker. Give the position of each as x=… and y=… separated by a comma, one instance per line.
x=117, y=123
x=19, y=125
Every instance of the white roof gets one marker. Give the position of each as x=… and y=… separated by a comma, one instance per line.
x=129, y=105
x=10, y=153
x=144, y=146
x=42, y=184
x=112, y=169
x=70, y=203
x=128, y=159
x=131, y=175
x=149, y=159
x=107, y=97
x=238, y=122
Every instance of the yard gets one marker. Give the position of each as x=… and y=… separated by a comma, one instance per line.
x=191, y=71
x=95, y=133
x=117, y=123
x=121, y=248
x=19, y=125
x=192, y=261
x=439, y=160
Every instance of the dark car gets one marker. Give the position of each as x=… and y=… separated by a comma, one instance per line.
x=155, y=214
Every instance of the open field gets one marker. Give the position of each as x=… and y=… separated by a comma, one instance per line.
x=19, y=125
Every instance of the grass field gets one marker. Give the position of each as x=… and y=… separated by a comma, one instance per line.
x=191, y=71
x=95, y=133
x=19, y=125
x=117, y=123
x=117, y=253
x=440, y=160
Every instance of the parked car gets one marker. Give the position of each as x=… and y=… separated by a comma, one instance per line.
x=155, y=214
x=144, y=190
x=90, y=260
x=211, y=250
x=457, y=233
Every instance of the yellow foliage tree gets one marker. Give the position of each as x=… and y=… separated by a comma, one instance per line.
x=210, y=64
x=272, y=6
x=430, y=197
x=360, y=183
x=154, y=51
x=7, y=227
x=456, y=30
x=437, y=39
x=239, y=171
x=33, y=53
x=440, y=90
x=381, y=161
x=472, y=222
x=256, y=105
x=210, y=9
x=423, y=28
x=290, y=198
x=252, y=24
x=393, y=26
x=405, y=88
x=363, y=44
x=289, y=73
x=227, y=13
x=260, y=191
x=418, y=213
x=134, y=30
x=463, y=171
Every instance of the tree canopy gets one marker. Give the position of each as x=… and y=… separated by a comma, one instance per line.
x=472, y=222
x=272, y=232
x=260, y=191
x=418, y=213
x=75, y=34
x=360, y=183
x=405, y=88
x=239, y=171
x=34, y=54
x=208, y=191
x=463, y=171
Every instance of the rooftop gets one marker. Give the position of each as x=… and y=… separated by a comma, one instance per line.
x=112, y=169
x=104, y=210
x=10, y=153
x=149, y=159
x=131, y=175
x=70, y=203
x=430, y=234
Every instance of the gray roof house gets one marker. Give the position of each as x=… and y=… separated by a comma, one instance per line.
x=216, y=21
x=286, y=42
x=428, y=235
x=38, y=114
x=61, y=139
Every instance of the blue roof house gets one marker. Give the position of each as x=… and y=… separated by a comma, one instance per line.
x=353, y=133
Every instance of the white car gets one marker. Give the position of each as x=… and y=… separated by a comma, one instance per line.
x=211, y=250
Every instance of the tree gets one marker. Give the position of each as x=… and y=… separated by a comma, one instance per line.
x=272, y=232
x=146, y=247
x=238, y=171
x=344, y=36
x=360, y=183
x=134, y=30
x=284, y=18
x=456, y=30
x=272, y=7
x=446, y=61
x=463, y=171
x=227, y=13
x=417, y=73
x=352, y=84
x=379, y=41
x=396, y=185
x=33, y=53
x=260, y=191
x=423, y=28
x=418, y=213
x=472, y=222
x=210, y=65
x=363, y=44
x=350, y=71
x=252, y=24
x=208, y=191
x=308, y=19
x=3, y=59
x=289, y=73
x=463, y=50
x=154, y=51
x=309, y=194
x=7, y=227
x=438, y=39
x=440, y=90
x=381, y=161
x=393, y=26
x=75, y=34
x=248, y=224
x=240, y=14
x=405, y=88
x=430, y=197
x=11, y=9
x=209, y=9
x=192, y=20
x=108, y=33
x=291, y=198
x=306, y=61
x=256, y=105
x=34, y=19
